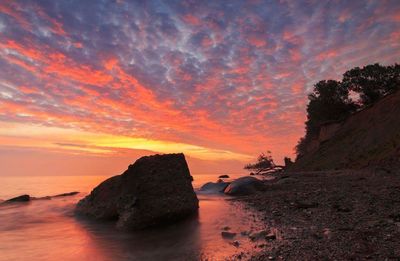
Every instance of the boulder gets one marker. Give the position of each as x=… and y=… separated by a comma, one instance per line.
x=244, y=186
x=155, y=190
x=224, y=177
x=213, y=187
x=22, y=198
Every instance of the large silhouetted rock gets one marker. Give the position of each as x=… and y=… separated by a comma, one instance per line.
x=154, y=190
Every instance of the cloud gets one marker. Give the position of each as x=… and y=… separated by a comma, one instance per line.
x=220, y=76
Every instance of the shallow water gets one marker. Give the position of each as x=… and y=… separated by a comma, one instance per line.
x=48, y=230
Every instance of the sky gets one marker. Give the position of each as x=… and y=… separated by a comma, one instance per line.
x=87, y=87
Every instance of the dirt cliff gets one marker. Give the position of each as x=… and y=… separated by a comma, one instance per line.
x=368, y=138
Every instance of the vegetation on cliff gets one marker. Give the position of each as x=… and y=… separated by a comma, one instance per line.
x=336, y=100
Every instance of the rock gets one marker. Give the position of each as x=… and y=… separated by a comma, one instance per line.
x=226, y=234
x=341, y=208
x=226, y=228
x=212, y=187
x=236, y=243
x=22, y=198
x=56, y=196
x=285, y=181
x=245, y=233
x=224, y=177
x=258, y=235
x=305, y=204
x=66, y=194
x=270, y=236
x=155, y=190
x=244, y=186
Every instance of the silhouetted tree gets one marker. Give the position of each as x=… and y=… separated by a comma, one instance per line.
x=329, y=101
x=264, y=163
x=372, y=82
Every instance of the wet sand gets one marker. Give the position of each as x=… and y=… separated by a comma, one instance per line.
x=339, y=215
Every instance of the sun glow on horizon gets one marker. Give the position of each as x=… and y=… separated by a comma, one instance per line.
x=39, y=136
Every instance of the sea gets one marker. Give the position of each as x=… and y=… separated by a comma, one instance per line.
x=48, y=230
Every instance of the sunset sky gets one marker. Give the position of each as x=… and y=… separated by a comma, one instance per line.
x=87, y=87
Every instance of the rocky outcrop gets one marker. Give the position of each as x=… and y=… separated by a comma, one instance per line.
x=224, y=177
x=26, y=198
x=154, y=190
x=244, y=186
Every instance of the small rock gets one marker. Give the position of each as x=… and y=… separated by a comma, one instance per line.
x=270, y=236
x=224, y=177
x=305, y=204
x=342, y=208
x=235, y=243
x=226, y=228
x=245, y=233
x=226, y=234
x=327, y=233
x=286, y=181
x=258, y=235
x=66, y=194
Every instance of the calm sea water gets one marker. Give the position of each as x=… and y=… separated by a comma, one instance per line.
x=48, y=230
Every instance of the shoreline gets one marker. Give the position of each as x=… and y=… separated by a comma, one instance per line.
x=342, y=215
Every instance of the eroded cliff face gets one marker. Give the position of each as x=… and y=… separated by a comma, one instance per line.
x=326, y=132
x=368, y=138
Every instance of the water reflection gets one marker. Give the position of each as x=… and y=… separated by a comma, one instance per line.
x=48, y=230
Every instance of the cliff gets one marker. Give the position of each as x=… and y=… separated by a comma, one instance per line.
x=370, y=137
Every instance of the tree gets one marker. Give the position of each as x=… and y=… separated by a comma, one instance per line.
x=329, y=101
x=372, y=82
x=264, y=163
